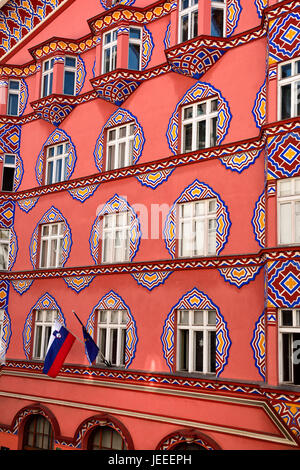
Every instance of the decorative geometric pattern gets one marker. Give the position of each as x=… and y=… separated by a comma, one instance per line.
x=82, y=194
x=239, y=277
x=116, y=204
x=53, y=215
x=167, y=36
x=152, y=180
x=198, y=92
x=290, y=413
x=113, y=301
x=260, y=6
x=284, y=34
x=7, y=213
x=78, y=283
x=18, y=18
x=284, y=284
x=80, y=75
x=258, y=220
x=151, y=280
x=117, y=86
x=22, y=286
x=54, y=108
x=196, y=299
x=233, y=15
x=240, y=161
x=4, y=292
x=147, y=47
x=198, y=191
x=259, y=108
x=175, y=439
x=23, y=97
x=121, y=116
x=283, y=155
x=46, y=302
x=258, y=345
x=27, y=204
x=107, y=4
x=55, y=138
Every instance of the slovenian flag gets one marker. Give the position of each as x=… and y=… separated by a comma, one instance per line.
x=60, y=343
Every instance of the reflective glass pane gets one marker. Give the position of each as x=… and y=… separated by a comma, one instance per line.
x=217, y=22
x=285, y=101
x=69, y=82
x=13, y=104
x=134, y=57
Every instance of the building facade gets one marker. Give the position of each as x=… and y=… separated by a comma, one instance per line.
x=151, y=183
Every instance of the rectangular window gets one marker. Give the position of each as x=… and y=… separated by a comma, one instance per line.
x=135, y=49
x=196, y=341
x=4, y=248
x=13, y=98
x=51, y=245
x=44, y=320
x=218, y=18
x=109, y=51
x=115, y=243
x=289, y=346
x=70, y=75
x=289, y=89
x=288, y=199
x=112, y=336
x=197, y=228
x=57, y=158
x=8, y=176
x=199, y=125
x=47, y=77
x=120, y=147
x=188, y=20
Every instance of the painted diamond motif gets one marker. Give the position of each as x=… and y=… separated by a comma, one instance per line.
x=290, y=283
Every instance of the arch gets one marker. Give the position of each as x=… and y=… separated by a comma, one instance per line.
x=52, y=215
x=198, y=191
x=119, y=117
x=195, y=299
x=116, y=204
x=85, y=429
x=198, y=92
x=46, y=302
x=187, y=436
x=56, y=137
x=113, y=301
x=20, y=419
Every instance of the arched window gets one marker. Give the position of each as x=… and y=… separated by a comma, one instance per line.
x=187, y=446
x=105, y=438
x=38, y=434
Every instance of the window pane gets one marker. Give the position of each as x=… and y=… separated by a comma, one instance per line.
x=69, y=83
x=111, y=158
x=122, y=154
x=184, y=317
x=297, y=221
x=188, y=112
x=285, y=101
x=8, y=179
x=134, y=33
x=102, y=343
x=287, y=317
x=183, y=349
x=211, y=317
x=44, y=248
x=286, y=70
x=213, y=132
x=53, y=251
x=217, y=19
x=113, y=345
x=14, y=85
x=285, y=188
x=199, y=249
x=134, y=57
x=194, y=24
x=201, y=109
x=201, y=134
x=122, y=346
x=38, y=341
x=198, y=317
x=187, y=137
x=184, y=28
x=286, y=357
x=285, y=223
x=198, y=338
x=298, y=99
x=212, y=337
x=70, y=61
x=58, y=171
x=13, y=104
x=106, y=61
x=186, y=239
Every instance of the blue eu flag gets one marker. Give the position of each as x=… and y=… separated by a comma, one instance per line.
x=91, y=347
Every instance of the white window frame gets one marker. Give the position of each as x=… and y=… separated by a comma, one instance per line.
x=187, y=246
x=49, y=73
x=113, y=44
x=294, y=328
x=116, y=143
x=55, y=158
x=12, y=91
x=190, y=13
x=8, y=165
x=208, y=117
x=139, y=42
x=44, y=320
x=192, y=328
x=69, y=68
x=109, y=320
x=5, y=242
x=293, y=80
x=116, y=253
x=221, y=6
x=49, y=238
x=291, y=198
